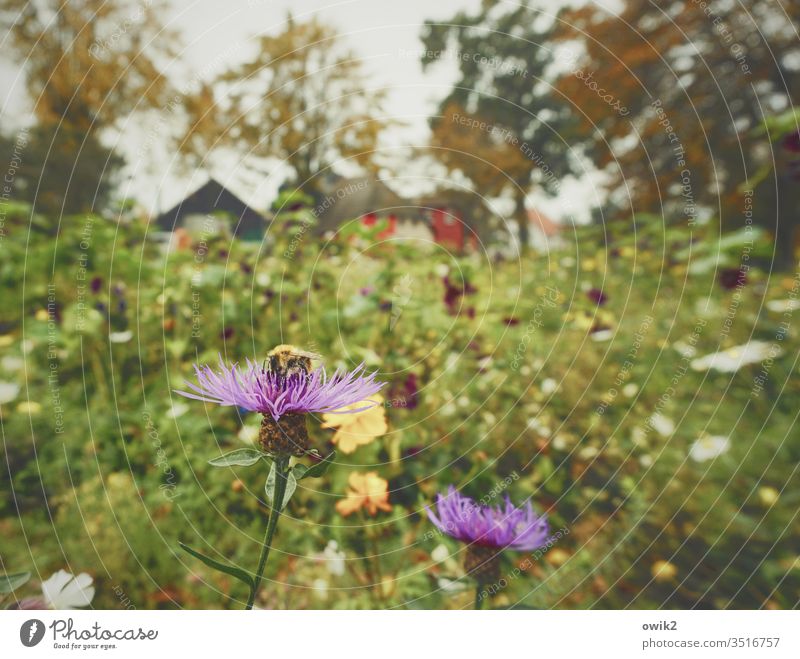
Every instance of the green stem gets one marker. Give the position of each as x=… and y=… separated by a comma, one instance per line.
x=277, y=501
x=478, y=598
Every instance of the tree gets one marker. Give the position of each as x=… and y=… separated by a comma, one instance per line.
x=89, y=63
x=498, y=125
x=696, y=81
x=60, y=170
x=302, y=99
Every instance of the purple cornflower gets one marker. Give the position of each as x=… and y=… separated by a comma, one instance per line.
x=488, y=531
x=500, y=527
x=258, y=390
x=283, y=400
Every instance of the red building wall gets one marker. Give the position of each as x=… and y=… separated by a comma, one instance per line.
x=369, y=220
x=448, y=229
x=446, y=224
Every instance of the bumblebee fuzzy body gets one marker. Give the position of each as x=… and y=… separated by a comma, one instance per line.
x=287, y=360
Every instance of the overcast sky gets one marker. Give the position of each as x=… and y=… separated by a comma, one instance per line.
x=385, y=34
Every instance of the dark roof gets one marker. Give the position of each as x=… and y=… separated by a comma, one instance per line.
x=213, y=197
x=350, y=199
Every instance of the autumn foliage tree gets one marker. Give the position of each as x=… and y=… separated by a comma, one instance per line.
x=499, y=124
x=697, y=80
x=87, y=66
x=302, y=99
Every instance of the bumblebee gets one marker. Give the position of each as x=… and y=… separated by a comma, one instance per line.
x=287, y=360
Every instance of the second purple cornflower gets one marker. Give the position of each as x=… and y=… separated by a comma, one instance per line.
x=488, y=530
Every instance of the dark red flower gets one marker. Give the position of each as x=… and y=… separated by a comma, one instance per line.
x=411, y=389
x=511, y=321
x=731, y=278
x=453, y=292
x=792, y=142
x=597, y=296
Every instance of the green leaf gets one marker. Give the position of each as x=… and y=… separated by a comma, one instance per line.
x=291, y=486
x=9, y=582
x=241, y=457
x=221, y=567
x=315, y=470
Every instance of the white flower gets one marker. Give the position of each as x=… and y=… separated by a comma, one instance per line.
x=646, y=461
x=484, y=363
x=11, y=363
x=630, y=390
x=177, y=409
x=537, y=426
x=639, y=436
x=662, y=425
x=732, y=359
x=320, y=587
x=334, y=558
x=451, y=586
x=27, y=345
x=249, y=434
x=782, y=306
x=120, y=337
x=707, y=307
x=709, y=447
x=441, y=270
x=684, y=349
x=8, y=392
x=602, y=335
x=66, y=591
x=440, y=554
x=549, y=385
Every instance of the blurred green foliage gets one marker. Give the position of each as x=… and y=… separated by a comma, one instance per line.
x=529, y=387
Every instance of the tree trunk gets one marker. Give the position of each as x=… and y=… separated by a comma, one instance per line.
x=786, y=224
x=521, y=215
x=785, y=235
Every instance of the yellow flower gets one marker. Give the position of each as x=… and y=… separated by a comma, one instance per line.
x=368, y=491
x=358, y=428
x=29, y=407
x=663, y=571
x=768, y=496
x=557, y=557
